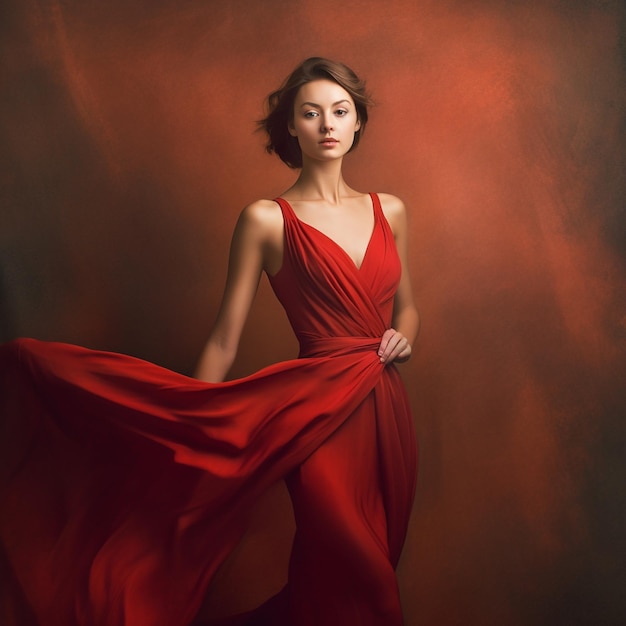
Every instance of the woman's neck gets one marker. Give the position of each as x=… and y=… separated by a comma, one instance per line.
x=320, y=181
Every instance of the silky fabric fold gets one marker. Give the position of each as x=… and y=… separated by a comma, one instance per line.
x=124, y=485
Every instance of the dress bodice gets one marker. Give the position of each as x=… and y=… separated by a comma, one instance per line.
x=322, y=290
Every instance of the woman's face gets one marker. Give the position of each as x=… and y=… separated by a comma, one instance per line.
x=324, y=120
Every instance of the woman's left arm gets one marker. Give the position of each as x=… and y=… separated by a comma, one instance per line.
x=396, y=342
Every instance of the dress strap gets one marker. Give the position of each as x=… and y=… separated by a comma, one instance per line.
x=378, y=208
x=286, y=209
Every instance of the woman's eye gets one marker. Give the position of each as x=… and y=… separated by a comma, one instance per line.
x=310, y=114
x=341, y=112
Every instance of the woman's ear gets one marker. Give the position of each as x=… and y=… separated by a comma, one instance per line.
x=357, y=127
x=292, y=129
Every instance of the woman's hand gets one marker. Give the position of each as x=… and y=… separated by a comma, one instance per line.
x=394, y=346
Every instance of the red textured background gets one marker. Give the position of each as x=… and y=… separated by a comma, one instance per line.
x=127, y=149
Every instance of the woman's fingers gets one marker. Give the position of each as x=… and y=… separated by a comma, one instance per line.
x=393, y=347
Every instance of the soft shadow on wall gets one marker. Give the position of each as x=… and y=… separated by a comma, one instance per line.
x=129, y=148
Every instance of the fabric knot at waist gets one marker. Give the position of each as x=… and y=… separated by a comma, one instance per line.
x=335, y=346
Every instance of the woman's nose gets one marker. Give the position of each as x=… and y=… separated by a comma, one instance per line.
x=326, y=126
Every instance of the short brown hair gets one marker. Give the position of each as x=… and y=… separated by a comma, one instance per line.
x=280, y=105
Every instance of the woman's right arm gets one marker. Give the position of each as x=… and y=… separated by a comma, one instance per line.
x=250, y=247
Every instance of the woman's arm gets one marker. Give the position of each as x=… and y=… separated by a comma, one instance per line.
x=396, y=342
x=253, y=248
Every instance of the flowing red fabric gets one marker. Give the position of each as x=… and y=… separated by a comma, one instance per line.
x=124, y=485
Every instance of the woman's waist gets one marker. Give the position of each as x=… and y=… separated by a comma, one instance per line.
x=319, y=346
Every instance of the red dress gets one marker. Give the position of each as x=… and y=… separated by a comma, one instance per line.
x=124, y=485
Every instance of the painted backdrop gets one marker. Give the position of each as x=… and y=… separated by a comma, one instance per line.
x=128, y=148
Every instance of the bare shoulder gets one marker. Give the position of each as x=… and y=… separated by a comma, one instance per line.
x=394, y=211
x=262, y=216
x=262, y=211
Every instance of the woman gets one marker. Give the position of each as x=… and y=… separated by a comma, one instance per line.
x=128, y=484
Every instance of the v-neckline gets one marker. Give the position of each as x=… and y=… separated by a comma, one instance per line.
x=333, y=242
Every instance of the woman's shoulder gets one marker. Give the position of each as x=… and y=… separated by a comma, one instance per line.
x=263, y=216
x=261, y=211
x=393, y=209
x=391, y=203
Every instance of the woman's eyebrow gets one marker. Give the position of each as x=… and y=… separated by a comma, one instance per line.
x=319, y=106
